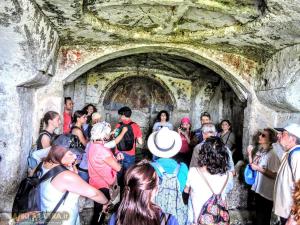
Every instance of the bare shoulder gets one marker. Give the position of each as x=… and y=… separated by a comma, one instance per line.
x=76, y=130
x=67, y=175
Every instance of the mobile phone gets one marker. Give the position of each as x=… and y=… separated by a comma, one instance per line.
x=182, y=128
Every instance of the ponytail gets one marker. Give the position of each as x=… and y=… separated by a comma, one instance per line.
x=50, y=115
x=41, y=125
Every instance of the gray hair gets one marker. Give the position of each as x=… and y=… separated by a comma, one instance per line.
x=208, y=128
x=297, y=140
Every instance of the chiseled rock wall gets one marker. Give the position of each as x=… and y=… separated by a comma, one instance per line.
x=279, y=82
x=27, y=59
x=30, y=85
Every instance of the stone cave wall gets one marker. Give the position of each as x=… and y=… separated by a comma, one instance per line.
x=30, y=85
x=28, y=50
x=190, y=98
x=278, y=87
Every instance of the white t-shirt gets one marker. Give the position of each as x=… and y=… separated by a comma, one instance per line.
x=284, y=183
x=200, y=192
x=264, y=185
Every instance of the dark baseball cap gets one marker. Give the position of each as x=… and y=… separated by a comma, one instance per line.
x=70, y=142
x=293, y=129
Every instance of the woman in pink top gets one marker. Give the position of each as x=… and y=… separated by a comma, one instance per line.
x=102, y=165
x=185, y=153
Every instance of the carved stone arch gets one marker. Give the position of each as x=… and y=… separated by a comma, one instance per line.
x=236, y=82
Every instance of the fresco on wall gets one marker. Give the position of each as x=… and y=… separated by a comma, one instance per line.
x=138, y=93
x=145, y=96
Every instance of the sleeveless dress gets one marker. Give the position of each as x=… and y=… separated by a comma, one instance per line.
x=69, y=209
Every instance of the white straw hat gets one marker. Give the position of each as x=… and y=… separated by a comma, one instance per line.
x=164, y=143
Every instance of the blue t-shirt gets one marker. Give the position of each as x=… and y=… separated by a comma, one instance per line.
x=169, y=165
x=198, y=134
x=172, y=220
x=157, y=126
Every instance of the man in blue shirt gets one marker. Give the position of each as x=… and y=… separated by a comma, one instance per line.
x=197, y=136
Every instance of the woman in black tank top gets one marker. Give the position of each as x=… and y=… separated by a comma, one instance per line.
x=79, y=118
x=52, y=121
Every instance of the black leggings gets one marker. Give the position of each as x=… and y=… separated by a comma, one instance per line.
x=263, y=209
x=98, y=208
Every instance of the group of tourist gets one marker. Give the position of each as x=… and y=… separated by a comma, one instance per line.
x=191, y=171
x=275, y=158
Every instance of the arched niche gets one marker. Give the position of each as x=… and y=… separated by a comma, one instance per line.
x=140, y=93
x=239, y=86
x=144, y=95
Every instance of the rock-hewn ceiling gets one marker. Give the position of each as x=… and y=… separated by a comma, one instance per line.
x=170, y=65
x=254, y=28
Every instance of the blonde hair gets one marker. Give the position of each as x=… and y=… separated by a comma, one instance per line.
x=96, y=116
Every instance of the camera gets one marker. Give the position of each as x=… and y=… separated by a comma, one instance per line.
x=182, y=128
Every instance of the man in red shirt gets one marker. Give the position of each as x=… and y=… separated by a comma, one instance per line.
x=67, y=115
x=128, y=157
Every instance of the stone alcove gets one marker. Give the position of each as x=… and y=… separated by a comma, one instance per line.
x=190, y=88
x=150, y=82
x=145, y=96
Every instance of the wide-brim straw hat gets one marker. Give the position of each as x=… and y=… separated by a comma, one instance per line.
x=164, y=143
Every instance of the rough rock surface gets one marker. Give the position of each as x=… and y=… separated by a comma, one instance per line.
x=236, y=59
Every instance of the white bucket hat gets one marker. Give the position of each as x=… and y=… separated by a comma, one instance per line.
x=164, y=143
x=100, y=131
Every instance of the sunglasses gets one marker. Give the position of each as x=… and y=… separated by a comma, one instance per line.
x=263, y=135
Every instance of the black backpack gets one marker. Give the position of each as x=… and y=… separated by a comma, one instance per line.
x=28, y=199
x=127, y=142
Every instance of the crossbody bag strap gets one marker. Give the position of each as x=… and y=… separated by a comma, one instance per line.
x=206, y=181
x=53, y=173
x=56, y=207
x=290, y=161
x=37, y=169
x=164, y=219
x=227, y=138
